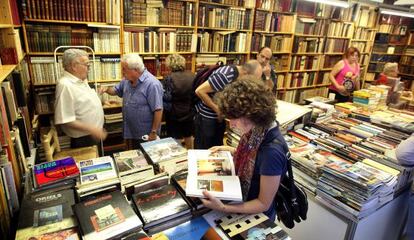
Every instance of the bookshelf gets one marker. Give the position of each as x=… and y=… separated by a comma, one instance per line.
x=391, y=40
x=406, y=64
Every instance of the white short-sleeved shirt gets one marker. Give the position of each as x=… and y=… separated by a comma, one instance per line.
x=75, y=100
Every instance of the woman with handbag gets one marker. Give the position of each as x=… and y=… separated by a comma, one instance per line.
x=260, y=158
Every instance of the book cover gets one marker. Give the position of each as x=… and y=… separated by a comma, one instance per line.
x=254, y=226
x=97, y=169
x=164, y=149
x=213, y=172
x=67, y=234
x=55, y=171
x=46, y=213
x=160, y=205
x=180, y=181
x=129, y=161
x=106, y=216
x=197, y=228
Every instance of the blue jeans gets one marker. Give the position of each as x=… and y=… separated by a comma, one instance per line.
x=208, y=132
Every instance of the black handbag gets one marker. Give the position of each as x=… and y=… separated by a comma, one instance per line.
x=291, y=201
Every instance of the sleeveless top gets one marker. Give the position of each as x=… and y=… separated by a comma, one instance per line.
x=340, y=77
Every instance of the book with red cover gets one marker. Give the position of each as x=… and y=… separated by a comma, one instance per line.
x=8, y=56
x=56, y=171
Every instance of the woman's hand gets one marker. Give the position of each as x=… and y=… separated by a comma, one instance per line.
x=222, y=148
x=213, y=202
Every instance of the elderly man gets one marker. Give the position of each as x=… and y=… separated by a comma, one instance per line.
x=209, y=127
x=269, y=76
x=142, y=101
x=78, y=109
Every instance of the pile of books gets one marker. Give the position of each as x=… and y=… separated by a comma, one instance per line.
x=346, y=162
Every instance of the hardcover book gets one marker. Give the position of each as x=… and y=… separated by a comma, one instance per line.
x=129, y=161
x=180, y=181
x=55, y=171
x=167, y=154
x=106, y=216
x=46, y=213
x=160, y=205
x=213, y=172
x=67, y=234
x=97, y=169
x=254, y=226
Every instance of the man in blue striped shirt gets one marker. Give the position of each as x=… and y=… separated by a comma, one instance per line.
x=209, y=125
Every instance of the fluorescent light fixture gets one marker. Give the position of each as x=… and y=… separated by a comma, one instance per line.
x=396, y=13
x=336, y=3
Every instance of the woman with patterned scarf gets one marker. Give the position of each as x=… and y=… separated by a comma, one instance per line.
x=259, y=158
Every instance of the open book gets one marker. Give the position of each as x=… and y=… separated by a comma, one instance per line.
x=213, y=172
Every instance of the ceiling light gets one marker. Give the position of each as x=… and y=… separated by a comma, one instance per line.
x=397, y=13
x=337, y=3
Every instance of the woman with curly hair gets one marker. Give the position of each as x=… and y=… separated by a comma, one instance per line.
x=260, y=158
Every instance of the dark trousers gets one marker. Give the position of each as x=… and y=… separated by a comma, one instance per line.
x=208, y=132
x=338, y=97
x=86, y=141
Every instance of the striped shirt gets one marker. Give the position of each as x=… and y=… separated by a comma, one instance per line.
x=218, y=80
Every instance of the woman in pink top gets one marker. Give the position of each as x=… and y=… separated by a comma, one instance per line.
x=345, y=75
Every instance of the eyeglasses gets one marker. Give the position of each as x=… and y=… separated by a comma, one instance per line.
x=88, y=64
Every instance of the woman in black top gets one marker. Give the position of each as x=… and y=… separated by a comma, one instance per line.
x=177, y=100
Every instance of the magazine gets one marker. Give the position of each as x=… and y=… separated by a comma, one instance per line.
x=213, y=172
x=97, y=169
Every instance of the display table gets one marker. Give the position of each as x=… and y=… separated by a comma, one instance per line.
x=325, y=223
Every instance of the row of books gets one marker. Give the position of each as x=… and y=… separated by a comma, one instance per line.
x=45, y=100
x=222, y=41
x=340, y=29
x=362, y=33
x=107, y=11
x=162, y=40
x=104, y=68
x=277, y=5
x=46, y=38
x=336, y=45
x=158, y=13
x=230, y=18
x=307, y=45
x=278, y=43
x=310, y=26
x=273, y=22
x=304, y=63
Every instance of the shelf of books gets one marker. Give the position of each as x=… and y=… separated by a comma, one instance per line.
x=406, y=64
x=390, y=42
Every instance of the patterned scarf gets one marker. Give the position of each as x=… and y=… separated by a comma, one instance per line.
x=245, y=157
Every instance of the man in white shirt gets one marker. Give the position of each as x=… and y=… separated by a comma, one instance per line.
x=78, y=109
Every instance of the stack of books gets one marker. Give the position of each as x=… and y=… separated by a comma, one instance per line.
x=132, y=169
x=97, y=175
x=106, y=216
x=48, y=215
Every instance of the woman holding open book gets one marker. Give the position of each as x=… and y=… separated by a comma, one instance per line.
x=345, y=75
x=260, y=158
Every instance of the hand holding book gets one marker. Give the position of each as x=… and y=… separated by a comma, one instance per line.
x=212, y=202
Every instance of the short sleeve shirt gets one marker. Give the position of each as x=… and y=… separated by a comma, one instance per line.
x=139, y=104
x=75, y=100
x=270, y=161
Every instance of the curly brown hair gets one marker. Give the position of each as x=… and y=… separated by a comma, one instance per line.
x=248, y=97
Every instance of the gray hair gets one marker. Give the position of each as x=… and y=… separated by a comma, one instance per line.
x=69, y=56
x=251, y=66
x=175, y=62
x=390, y=67
x=133, y=61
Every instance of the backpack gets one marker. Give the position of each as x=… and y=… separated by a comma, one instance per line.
x=202, y=76
x=291, y=201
